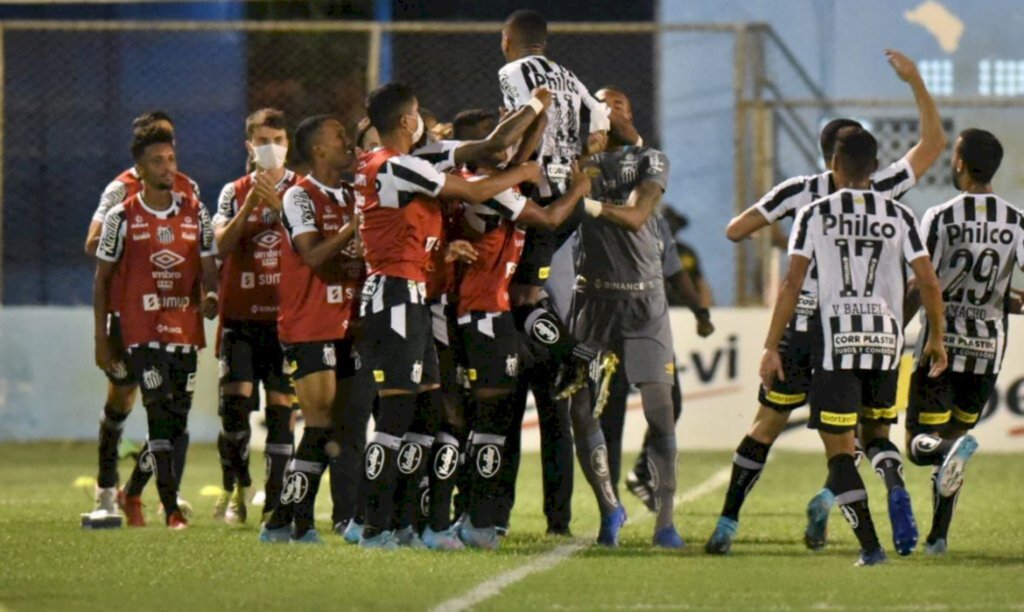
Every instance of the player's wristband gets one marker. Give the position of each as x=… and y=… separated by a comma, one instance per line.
x=212, y=295
x=639, y=140
x=536, y=105
x=592, y=207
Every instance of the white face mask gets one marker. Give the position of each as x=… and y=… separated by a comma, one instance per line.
x=270, y=156
x=420, y=127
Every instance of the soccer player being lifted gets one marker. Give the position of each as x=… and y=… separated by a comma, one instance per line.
x=162, y=243
x=249, y=234
x=861, y=241
x=975, y=240
x=396, y=194
x=320, y=272
x=801, y=346
x=122, y=386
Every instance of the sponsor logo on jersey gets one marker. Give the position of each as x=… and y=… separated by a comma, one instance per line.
x=974, y=233
x=269, y=239
x=248, y=280
x=858, y=225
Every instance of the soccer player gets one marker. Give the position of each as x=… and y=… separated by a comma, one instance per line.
x=802, y=341
x=249, y=233
x=320, y=271
x=121, y=385
x=562, y=139
x=621, y=304
x=494, y=349
x=162, y=243
x=975, y=241
x=401, y=224
x=861, y=240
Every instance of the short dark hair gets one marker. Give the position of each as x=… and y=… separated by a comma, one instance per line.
x=828, y=136
x=305, y=135
x=363, y=129
x=265, y=117
x=147, y=119
x=386, y=105
x=149, y=135
x=981, y=153
x=527, y=27
x=467, y=120
x=856, y=151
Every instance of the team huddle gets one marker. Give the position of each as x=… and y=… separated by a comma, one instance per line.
x=412, y=275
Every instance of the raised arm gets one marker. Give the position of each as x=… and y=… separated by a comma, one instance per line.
x=551, y=217
x=933, y=139
x=475, y=192
x=507, y=133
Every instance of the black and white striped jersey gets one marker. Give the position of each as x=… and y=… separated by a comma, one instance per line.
x=975, y=242
x=572, y=115
x=861, y=241
x=439, y=153
x=791, y=195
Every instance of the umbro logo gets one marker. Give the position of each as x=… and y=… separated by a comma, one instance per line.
x=165, y=259
x=269, y=239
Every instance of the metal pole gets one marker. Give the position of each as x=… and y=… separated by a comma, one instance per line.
x=739, y=142
x=3, y=165
x=373, y=59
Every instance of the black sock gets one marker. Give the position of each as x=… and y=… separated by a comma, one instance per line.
x=491, y=420
x=942, y=511
x=111, y=426
x=166, y=480
x=443, y=465
x=381, y=461
x=180, y=454
x=227, y=466
x=306, y=470
x=278, y=451
x=747, y=464
x=929, y=449
x=233, y=442
x=886, y=461
x=852, y=499
x=141, y=473
x=413, y=480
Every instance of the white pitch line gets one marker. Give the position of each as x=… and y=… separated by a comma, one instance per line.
x=490, y=588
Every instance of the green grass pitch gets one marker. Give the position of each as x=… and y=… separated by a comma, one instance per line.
x=49, y=562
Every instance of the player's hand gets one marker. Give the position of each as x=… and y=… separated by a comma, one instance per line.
x=104, y=354
x=531, y=172
x=580, y=180
x=542, y=94
x=771, y=368
x=704, y=326
x=935, y=353
x=460, y=250
x=208, y=308
x=597, y=142
x=1016, y=301
x=267, y=191
x=905, y=67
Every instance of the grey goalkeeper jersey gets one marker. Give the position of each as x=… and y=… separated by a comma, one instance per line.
x=613, y=260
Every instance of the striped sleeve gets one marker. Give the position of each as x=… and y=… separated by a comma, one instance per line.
x=515, y=89
x=913, y=246
x=440, y=154
x=208, y=246
x=894, y=180
x=800, y=242
x=112, y=237
x=226, y=207
x=114, y=193
x=930, y=227
x=403, y=177
x=299, y=212
x=788, y=196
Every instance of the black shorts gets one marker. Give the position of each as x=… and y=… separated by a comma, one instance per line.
x=839, y=398
x=801, y=355
x=119, y=374
x=305, y=358
x=162, y=373
x=496, y=353
x=251, y=352
x=535, y=263
x=451, y=357
x=957, y=397
x=398, y=346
